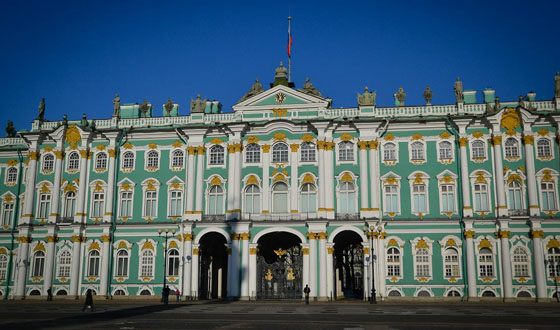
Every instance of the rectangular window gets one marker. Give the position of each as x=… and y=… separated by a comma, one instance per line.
x=98, y=205
x=391, y=199
x=548, y=193
x=44, y=206
x=126, y=204
x=419, y=198
x=481, y=198
x=176, y=204
x=151, y=204
x=448, y=198
x=7, y=214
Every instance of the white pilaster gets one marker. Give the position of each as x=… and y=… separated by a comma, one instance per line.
x=502, y=209
x=76, y=258
x=199, y=182
x=233, y=270
x=531, y=177
x=253, y=271
x=266, y=179
x=231, y=189
x=367, y=263
x=82, y=189
x=505, y=260
x=245, y=266
x=465, y=186
x=329, y=178
x=29, y=199
x=107, y=216
x=323, y=294
x=23, y=262
x=55, y=197
x=380, y=261
x=471, y=265
x=365, y=210
x=374, y=182
x=294, y=174
x=312, y=265
x=330, y=271
x=191, y=151
x=105, y=276
x=187, y=264
x=322, y=181
x=538, y=259
x=305, y=271
x=49, y=264
x=194, y=277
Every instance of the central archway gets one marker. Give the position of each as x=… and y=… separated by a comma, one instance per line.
x=348, y=265
x=279, y=266
x=212, y=266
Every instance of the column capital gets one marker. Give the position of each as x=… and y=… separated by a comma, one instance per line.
x=294, y=147
x=503, y=233
x=24, y=239
x=537, y=233
x=363, y=145
x=51, y=239
x=496, y=139
x=463, y=141
x=105, y=238
x=529, y=139
x=469, y=233
x=265, y=148
x=373, y=144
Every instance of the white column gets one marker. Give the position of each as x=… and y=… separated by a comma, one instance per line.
x=110, y=184
x=506, y=261
x=305, y=271
x=49, y=264
x=364, y=196
x=187, y=264
x=82, y=189
x=30, y=185
x=330, y=271
x=199, y=182
x=105, y=276
x=245, y=266
x=233, y=270
x=374, y=182
x=499, y=173
x=531, y=177
x=190, y=180
x=322, y=181
x=238, y=168
x=312, y=264
x=322, y=265
x=471, y=265
x=253, y=270
x=329, y=178
x=194, y=277
x=76, y=260
x=55, y=194
x=367, y=262
x=231, y=185
x=294, y=174
x=23, y=263
x=265, y=182
x=379, y=260
x=465, y=186
x=538, y=259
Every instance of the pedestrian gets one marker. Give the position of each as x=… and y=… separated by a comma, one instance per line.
x=165, y=294
x=178, y=294
x=49, y=294
x=89, y=300
x=306, y=290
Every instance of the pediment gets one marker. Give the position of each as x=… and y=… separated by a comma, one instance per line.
x=281, y=97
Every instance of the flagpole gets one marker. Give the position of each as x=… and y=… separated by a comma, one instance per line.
x=289, y=54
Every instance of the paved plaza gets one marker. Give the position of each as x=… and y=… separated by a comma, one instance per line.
x=276, y=315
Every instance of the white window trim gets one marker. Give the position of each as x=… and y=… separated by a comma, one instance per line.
x=523, y=187
x=459, y=248
x=59, y=254
x=453, y=183
x=43, y=171
x=116, y=265
x=152, y=169
x=223, y=185
x=390, y=162
x=301, y=183
x=337, y=143
x=67, y=162
x=519, y=148
x=154, y=252
x=551, y=143
x=244, y=192
x=438, y=148
x=38, y=199
x=523, y=243
x=288, y=202
x=144, y=190
x=103, y=169
x=478, y=160
x=170, y=189
x=271, y=152
x=10, y=183
x=244, y=155
x=226, y=156
x=92, y=186
x=426, y=182
x=398, y=184
x=494, y=250
x=540, y=176
x=3, y=204
x=424, y=149
x=119, y=199
x=177, y=168
x=487, y=177
x=88, y=264
x=400, y=248
x=313, y=162
x=127, y=170
x=356, y=190
x=429, y=244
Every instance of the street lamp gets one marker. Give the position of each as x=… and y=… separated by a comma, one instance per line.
x=165, y=234
x=373, y=298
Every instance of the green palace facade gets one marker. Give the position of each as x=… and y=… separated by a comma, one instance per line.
x=455, y=200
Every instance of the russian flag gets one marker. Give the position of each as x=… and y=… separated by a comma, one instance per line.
x=289, y=38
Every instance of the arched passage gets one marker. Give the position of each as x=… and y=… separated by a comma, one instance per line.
x=348, y=262
x=212, y=266
x=279, y=266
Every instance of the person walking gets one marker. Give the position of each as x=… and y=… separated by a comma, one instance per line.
x=89, y=300
x=178, y=294
x=49, y=294
x=165, y=295
x=306, y=290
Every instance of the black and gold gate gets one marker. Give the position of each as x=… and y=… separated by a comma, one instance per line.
x=279, y=272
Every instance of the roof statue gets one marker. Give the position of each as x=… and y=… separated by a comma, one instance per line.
x=428, y=95
x=65, y=120
x=367, y=98
x=198, y=105
x=84, y=121
x=557, y=85
x=308, y=88
x=497, y=104
x=168, y=106
x=458, y=88
x=10, y=129
x=521, y=102
x=400, y=97
x=256, y=88
x=144, y=107
x=280, y=76
x=116, y=106
x=41, y=115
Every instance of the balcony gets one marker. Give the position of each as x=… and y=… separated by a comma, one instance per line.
x=517, y=213
x=213, y=217
x=347, y=216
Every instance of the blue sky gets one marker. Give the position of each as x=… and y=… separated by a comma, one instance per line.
x=78, y=55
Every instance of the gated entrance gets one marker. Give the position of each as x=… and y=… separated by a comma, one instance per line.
x=348, y=265
x=212, y=267
x=279, y=267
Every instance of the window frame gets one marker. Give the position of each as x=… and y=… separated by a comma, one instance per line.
x=11, y=178
x=346, y=151
x=419, y=153
x=93, y=264
x=475, y=151
x=250, y=209
x=450, y=150
x=216, y=156
x=50, y=162
x=386, y=151
x=308, y=152
x=486, y=263
x=126, y=161
x=540, y=153
x=73, y=161
x=280, y=156
x=101, y=161
x=219, y=204
x=512, y=152
x=124, y=269
x=176, y=161
x=152, y=160
x=64, y=264
x=39, y=258
x=253, y=154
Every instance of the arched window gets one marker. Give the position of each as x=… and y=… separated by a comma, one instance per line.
x=253, y=153
x=280, y=198
x=512, y=148
x=98, y=204
x=481, y=197
x=173, y=263
x=61, y=292
x=308, y=200
x=38, y=264
x=347, y=198
x=217, y=155
x=152, y=159
x=93, y=263
x=451, y=263
x=252, y=199
x=553, y=262
x=543, y=148
x=393, y=262
x=308, y=152
x=119, y=292
x=453, y=293
x=520, y=262
x=216, y=200
x=175, y=203
x=73, y=161
x=515, y=201
x=346, y=151
x=11, y=175
x=419, y=198
x=147, y=264
x=391, y=199
x=423, y=293
x=523, y=294
x=128, y=160
x=122, y=263
x=394, y=293
x=485, y=263
x=145, y=292
x=64, y=263
x=177, y=158
x=280, y=153
x=7, y=212
x=417, y=151
x=3, y=266
x=488, y=293
x=48, y=163
x=150, y=204
x=101, y=161
x=423, y=263
x=478, y=149
x=69, y=204
x=445, y=150
x=548, y=196
x=389, y=152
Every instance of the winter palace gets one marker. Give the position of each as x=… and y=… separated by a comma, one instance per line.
x=282, y=191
